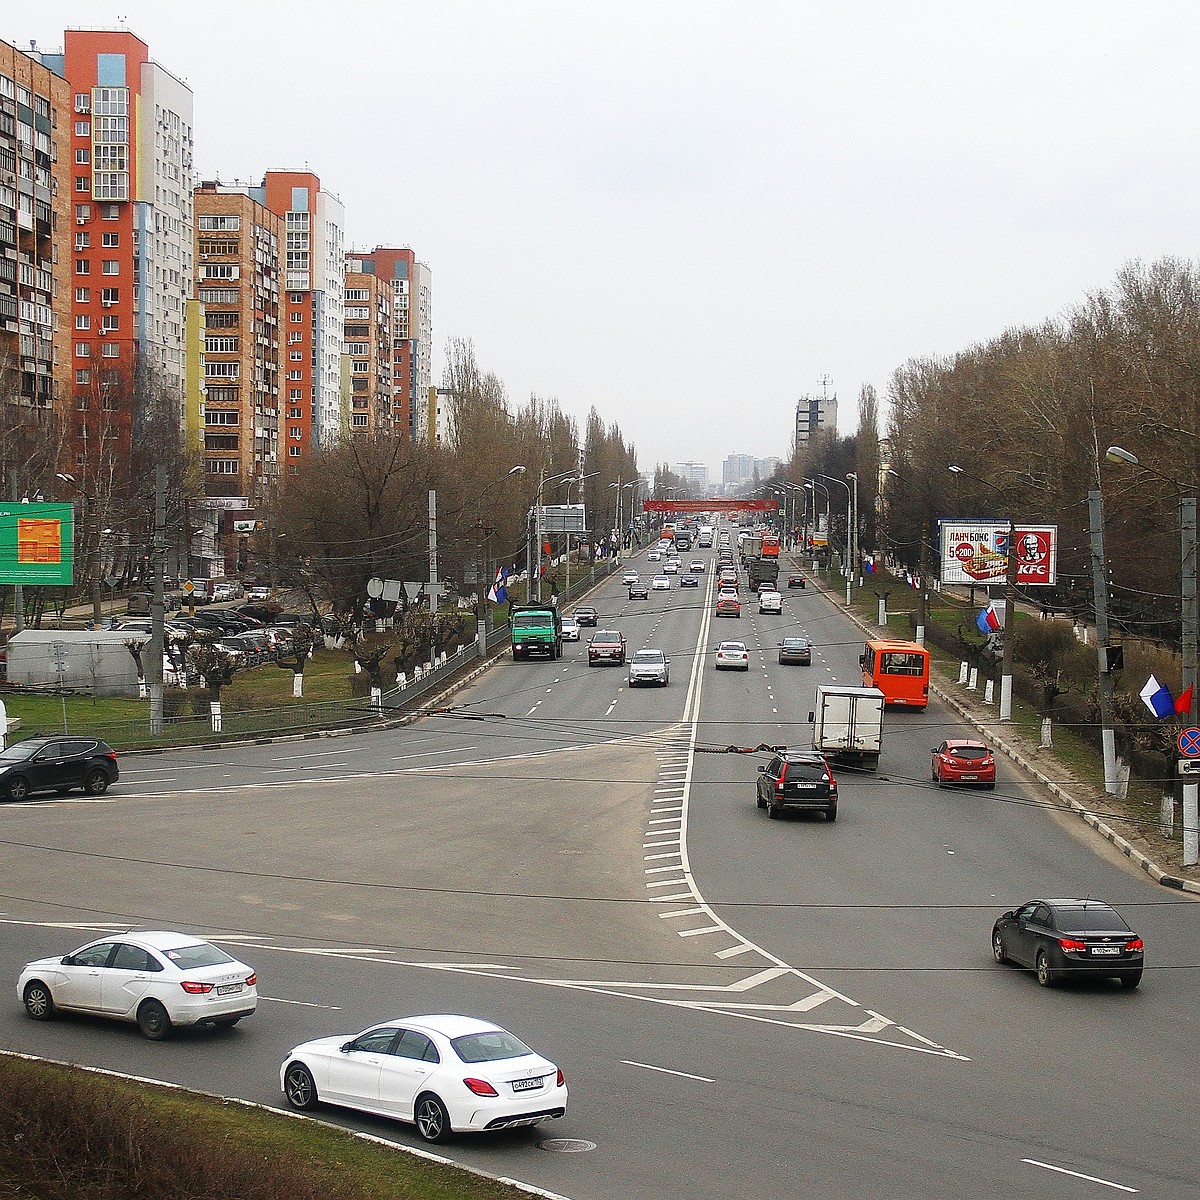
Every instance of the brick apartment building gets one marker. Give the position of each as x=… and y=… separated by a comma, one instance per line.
x=368, y=336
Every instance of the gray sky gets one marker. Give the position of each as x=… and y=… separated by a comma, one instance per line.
x=686, y=213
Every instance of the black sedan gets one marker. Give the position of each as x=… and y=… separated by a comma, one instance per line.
x=585, y=614
x=797, y=581
x=57, y=764
x=796, y=650
x=688, y=581
x=1069, y=939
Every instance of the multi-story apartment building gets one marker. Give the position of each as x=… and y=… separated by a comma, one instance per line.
x=368, y=347
x=131, y=151
x=239, y=273
x=35, y=255
x=693, y=473
x=411, y=283
x=815, y=415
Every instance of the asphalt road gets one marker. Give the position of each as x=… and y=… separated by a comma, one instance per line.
x=742, y=1006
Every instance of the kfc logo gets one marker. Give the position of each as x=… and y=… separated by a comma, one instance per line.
x=1033, y=557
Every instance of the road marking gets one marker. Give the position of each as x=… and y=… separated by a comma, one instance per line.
x=1033, y=1162
x=667, y=1071
x=428, y=753
x=300, y=1003
x=678, y=912
x=656, y=845
x=652, y=857
x=663, y=821
x=316, y=754
x=698, y=932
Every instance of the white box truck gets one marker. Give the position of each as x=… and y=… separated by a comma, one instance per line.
x=848, y=725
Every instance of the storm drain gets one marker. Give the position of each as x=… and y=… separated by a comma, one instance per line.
x=566, y=1145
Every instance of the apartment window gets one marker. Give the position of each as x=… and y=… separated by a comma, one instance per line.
x=83, y=156
x=83, y=295
x=82, y=241
x=110, y=212
x=82, y=129
x=221, y=345
x=357, y=294
x=222, y=320
x=295, y=376
x=83, y=212
x=355, y=313
x=111, y=350
x=83, y=350
x=221, y=416
x=296, y=297
x=219, y=295
x=208, y=224
x=110, y=323
x=293, y=338
x=295, y=432
x=297, y=356
x=82, y=183
x=110, y=239
x=110, y=296
x=225, y=370
x=83, y=375
x=221, y=466
x=83, y=102
x=361, y=367
x=295, y=395
x=83, y=266
x=110, y=266
x=358, y=420
x=83, y=321
x=293, y=452
x=296, y=318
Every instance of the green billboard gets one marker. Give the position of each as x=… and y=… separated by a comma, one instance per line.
x=37, y=543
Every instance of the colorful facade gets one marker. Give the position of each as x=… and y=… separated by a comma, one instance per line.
x=368, y=348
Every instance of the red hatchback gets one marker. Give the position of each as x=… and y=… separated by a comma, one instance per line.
x=963, y=760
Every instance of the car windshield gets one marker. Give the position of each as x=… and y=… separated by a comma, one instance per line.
x=190, y=958
x=21, y=751
x=531, y=620
x=489, y=1046
x=1093, y=918
x=795, y=644
x=970, y=752
x=732, y=648
x=605, y=635
x=649, y=656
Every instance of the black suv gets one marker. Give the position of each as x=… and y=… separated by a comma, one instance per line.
x=585, y=614
x=57, y=764
x=797, y=779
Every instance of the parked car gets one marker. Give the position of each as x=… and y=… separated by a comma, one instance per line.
x=800, y=779
x=585, y=614
x=649, y=666
x=258, y=592
x=606, y=646
x=732, y=656
x=963, y=760
x=797, y=581
x=770, y=602
x=1069, y=939
x=639, y=591
x=157, y=979
x=796, y=650
x=57, y=764
x=570, y=629
x=442, y=1073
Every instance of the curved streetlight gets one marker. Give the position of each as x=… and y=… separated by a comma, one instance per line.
x=855, y=556
x=481, y=589
x=848, y=568
x=813, y=486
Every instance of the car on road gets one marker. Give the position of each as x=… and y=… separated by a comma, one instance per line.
x=732, y=656
x=798, y=779
x=661, y=583
x=157, y=979
x=606, y=646
x=796, y=650
x=728, y=605
x=697, y=566
x=649, y=666
x=654, y=556
x=629, y=577
x=797, y=581
x=258, y=593
x=1069, y=940
x=570, y=629
x=963, y=760
x=727, y=577
x=688, y=581
x=770, y=602
x=639, y=591
x=442, y=1073
x=671, y=566
x=585, y=614
x=57, y=764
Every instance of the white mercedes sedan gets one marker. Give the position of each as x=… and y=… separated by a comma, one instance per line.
x=444, y=1074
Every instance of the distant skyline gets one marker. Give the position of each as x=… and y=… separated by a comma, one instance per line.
x=687, y=213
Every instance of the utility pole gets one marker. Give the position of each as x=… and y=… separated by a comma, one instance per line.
x=922, y=571
x=1010, y=624
x=1187, y=563
x=18, y=589
x=154, y=669
x=435, y=590
x=1100, y=600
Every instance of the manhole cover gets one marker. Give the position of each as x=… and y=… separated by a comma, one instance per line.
x=566, y=1145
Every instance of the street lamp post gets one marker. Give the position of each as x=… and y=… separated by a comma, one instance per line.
x=848, y=568
x=530, y=586
x=570, y=483
x=856, y=556
x=814, y=486
x=89, y=502
x=1010, y=592
x=481, y=585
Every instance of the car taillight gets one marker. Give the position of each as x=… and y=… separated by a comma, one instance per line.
x=252, y=979
x=562, y=1079
x=1073, y=944
x=112, y=754
x=782, y=777
x=480, y=1087
x=194, y=988
x=1134, y=944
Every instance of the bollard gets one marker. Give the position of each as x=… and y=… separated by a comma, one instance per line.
x=1047, y=741
x=963, y=668
x=988, y=689
x=973, y=681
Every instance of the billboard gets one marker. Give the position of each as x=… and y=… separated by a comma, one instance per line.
x=37, y=543
x=563, y=518
x=975, y=552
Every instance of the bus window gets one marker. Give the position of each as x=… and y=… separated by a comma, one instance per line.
x=900, y=670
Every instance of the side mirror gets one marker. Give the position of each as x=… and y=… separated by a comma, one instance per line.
x=812, y=716
x=346, y=1047
x=68, y=960
x=1008, y=916
x=762, y=770
x=934, y=750
x=862, y=660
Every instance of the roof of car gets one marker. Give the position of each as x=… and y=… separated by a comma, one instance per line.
x=649, y=653
x=160, y=939
x=966, y=742
x=732, y=646
x=447, y=1024
x=608, y=635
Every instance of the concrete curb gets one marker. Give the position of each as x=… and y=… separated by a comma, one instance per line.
x=1101, y=827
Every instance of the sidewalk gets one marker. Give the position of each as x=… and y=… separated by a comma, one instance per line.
x=1162, y=861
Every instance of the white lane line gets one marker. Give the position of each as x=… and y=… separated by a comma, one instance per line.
x=610, y=708
x=698, y=932
x=300, y=1003
x=656, y=883
x=659, y=845
x=678, y=912
x=666, y=899
x=743, y=948
x=533, y=709
x=315, y=754
x=660, y=870
x=428, y=753
x=663, y=821
x=668, y=808
x=653, y=857
x=667, y=1071
x=1033, y=1162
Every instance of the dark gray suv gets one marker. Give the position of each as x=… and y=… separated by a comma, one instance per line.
x=57, y=764
x=799, y=779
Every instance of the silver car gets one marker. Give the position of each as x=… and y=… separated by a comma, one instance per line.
x=649, y=666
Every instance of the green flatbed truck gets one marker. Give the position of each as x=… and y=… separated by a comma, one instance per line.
x=535, y=629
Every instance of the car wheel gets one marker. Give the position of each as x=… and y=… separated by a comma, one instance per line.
x=759, y=800
x=772, y=811
x=1046, y=975
x=153, y=1020
x=998, y=947
x=433, y=1121
x=39, y=1003
x=96, y=782
x=299, y=1087
x=831, y=813
x=1130, y=979
x=18, y=787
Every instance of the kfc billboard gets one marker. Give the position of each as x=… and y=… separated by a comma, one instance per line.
x=976, y=552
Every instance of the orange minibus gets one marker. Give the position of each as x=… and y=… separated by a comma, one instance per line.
x=900, y=670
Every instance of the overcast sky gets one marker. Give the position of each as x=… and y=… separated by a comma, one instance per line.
x=687, y=214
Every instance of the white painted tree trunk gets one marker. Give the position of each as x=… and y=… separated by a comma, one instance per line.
x=297, y=684
x=377, y=699
x=214, y=708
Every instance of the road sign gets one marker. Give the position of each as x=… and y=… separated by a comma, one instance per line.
x=189, y=586
x=374, y=587
x=1189, y=766
x=1189, y=743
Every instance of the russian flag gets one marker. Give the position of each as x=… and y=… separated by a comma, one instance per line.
x=989, y=620
x=498, y=593
x=1157, y=698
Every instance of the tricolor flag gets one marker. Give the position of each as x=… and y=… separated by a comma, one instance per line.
x=990, y=620
x=1183, y=702
x=1157, y=698
x=498, y=593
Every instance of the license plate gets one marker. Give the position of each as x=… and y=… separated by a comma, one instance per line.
x=805, y=787
x=227, y=989
x=526, y=1085
x=968, y=776
x=1106, y=950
